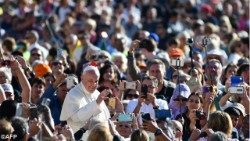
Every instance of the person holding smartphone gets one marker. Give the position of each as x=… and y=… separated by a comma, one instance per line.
x=147, y=101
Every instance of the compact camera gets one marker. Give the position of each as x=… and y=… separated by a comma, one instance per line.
x=125, y=118
x=130, y=85
x=176, y=62
x=236, y=90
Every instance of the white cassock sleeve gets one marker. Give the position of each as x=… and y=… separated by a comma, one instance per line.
x=77, y=108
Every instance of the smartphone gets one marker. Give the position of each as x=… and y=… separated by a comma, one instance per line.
x=146, y=116
x=34, y=112
x=162, y=114
x=112, y=102
x=236, y=90
x=125, y=118
x=176, y=63
x=130, y=85
x=144, y=91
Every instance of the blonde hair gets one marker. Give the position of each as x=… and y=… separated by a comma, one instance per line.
x=220, y=121
x=100, y=132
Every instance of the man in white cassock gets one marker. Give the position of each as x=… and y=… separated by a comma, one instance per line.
x=84, y=103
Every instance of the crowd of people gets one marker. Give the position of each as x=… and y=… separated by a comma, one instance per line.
x=124, y=70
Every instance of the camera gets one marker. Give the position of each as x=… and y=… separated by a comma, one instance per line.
x=177, y=62
x=130, y=85
x=190, y=41
x=111, y=102
x=144, y=91
x=236, y=90
x=125, y=118
x=71, y=81
x=200, y=115
x=236, y=87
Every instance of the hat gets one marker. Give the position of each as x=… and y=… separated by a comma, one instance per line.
x=154, y=36
x=181, y=89
x=175, y=52
x=205, y=8
x=7, y=88
x=237, y=106
x=41, y=69
x=218, y=53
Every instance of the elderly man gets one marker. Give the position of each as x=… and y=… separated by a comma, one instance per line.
x=84, y=103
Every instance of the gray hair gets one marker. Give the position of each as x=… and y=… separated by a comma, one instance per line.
x=91, y=68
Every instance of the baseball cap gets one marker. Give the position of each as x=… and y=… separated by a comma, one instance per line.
x=41, y=69
x=182, y=90
x=7, y=88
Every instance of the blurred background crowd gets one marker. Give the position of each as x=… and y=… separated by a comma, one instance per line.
x=166, y=69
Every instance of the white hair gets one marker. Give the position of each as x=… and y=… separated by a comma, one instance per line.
x=91, y=68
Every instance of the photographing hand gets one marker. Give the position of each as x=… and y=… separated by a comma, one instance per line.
x=103, y=96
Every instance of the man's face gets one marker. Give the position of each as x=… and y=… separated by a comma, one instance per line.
x=157, y=71
x=90, y=81
x=35, y=55
x=9, y=96
x=57, y=67
x=213, y=70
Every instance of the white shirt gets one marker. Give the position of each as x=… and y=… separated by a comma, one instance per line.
x=146, y=108
x=80, y=106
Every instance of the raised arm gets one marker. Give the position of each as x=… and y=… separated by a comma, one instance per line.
x=133, y=70
x=23, y=81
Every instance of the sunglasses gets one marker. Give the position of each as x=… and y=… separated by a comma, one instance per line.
x=56, y=63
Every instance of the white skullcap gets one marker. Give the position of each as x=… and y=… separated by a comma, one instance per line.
x=91, y=68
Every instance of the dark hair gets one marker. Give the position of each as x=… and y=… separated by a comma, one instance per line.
x=232, y=111
x=242, y=68
x=224, y=79
x=37, y=81
x=108, y=65
x=20, y=128
x=198, y=95
x=8, y=109
x=154, y=79
x=9, y=43
x=148, y=44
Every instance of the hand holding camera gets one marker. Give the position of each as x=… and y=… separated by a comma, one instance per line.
x=236, y=85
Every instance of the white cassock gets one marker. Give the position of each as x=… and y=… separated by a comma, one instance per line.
x=80, y=106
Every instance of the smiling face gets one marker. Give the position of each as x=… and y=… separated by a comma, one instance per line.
x=90, y=80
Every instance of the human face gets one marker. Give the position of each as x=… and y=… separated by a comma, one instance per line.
x=3, y=78
x=235, y=120
x=37, y=90
x=157, y=71
x=180, y=101
x=124, y=129
x=35, y=55
x=214, y=69
x=151, y=88
x=109, y=75
x=245, y=75
x=90, y=81
x=132, y=94
x=9, y=96
x=193, y=103
x=231, y=71
x=57, y=67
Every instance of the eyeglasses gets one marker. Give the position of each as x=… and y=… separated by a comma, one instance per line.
x=180, y=99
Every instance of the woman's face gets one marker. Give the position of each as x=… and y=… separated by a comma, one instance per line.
x=109, y=75
x=194, y=103
x=231, y=71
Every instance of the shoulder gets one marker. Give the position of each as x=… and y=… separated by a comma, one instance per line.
x=169, y=84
